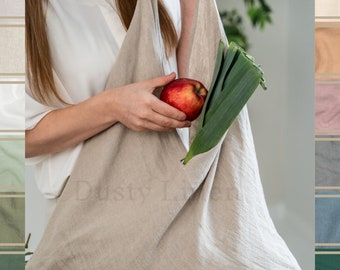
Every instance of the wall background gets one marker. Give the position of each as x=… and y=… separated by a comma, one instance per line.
x=282, y=122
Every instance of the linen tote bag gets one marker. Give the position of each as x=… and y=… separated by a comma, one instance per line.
x=130, y=203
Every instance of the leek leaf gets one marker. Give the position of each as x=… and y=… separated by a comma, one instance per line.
x=235, y=79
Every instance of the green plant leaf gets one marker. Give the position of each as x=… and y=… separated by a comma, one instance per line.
x=237, y=79
x=259, y=14
x=217, y=88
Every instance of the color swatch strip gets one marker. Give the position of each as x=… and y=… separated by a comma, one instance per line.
x=12, y=146
x=327, y=134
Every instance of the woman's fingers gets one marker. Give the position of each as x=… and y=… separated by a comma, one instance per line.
x=173, y=120
x=165, y=109
x=136, y=107
x=164, y=118
x=160, y=106
x=160, y=81
x=154, y=122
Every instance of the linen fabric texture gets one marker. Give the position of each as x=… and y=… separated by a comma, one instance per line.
x=327, y=83
x=327, y=224
x=130, y=203
x=327, y=160
x=327, y=106
x=327, y=58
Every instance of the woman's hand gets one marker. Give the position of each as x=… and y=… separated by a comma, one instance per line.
x=133, y=105
x=136, y=107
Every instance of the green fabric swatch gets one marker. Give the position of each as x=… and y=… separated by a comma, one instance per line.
x=12, y=262
x=12, y=153
x=12, y=220
x=327, y=261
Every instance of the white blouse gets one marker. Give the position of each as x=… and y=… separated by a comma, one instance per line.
x=85, y=37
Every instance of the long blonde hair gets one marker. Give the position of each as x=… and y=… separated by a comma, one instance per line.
x=38, y=55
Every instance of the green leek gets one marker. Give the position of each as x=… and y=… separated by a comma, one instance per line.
x=236, y=77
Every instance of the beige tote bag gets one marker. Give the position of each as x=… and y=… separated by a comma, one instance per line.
x=130, y=204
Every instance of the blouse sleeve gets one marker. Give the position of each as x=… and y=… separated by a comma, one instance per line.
x=34, y=111
x=50, y=170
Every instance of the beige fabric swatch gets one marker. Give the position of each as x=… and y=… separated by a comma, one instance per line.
x=12, y=47
x=327, y=8
x=12, y=8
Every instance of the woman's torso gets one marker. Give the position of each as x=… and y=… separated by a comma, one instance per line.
x=85, y=37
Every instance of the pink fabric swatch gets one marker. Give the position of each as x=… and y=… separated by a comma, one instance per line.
x=327, y=107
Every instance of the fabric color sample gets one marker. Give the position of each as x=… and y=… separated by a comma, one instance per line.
x=327, y=222
x=12, y=220
x=12, y=163
x=12, y=107
x=12, y=48
x=327, y=106
x=327, y=8
x=12, y=261
x=327, y=160
x=327, y=44
x=327, y=261
x=12, y=8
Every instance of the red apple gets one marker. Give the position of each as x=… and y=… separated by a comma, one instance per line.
x=186, y=95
